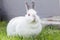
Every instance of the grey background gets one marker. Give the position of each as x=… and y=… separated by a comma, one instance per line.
x=0, y=3
x=44, y=8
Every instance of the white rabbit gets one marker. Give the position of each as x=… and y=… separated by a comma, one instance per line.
x=27, y=25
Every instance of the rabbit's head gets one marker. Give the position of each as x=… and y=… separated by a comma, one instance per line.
x=31, y=13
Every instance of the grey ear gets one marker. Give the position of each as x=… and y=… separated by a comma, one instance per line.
x=33, y=4
x=27, y=6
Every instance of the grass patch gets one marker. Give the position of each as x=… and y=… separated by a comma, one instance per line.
x=48, y=33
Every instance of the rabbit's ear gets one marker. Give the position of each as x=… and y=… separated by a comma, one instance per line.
x=27, y=6
x=33, y=4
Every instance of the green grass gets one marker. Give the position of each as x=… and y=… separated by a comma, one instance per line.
x=48, y=33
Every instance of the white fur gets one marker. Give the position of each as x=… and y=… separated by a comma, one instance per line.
x=23, y=26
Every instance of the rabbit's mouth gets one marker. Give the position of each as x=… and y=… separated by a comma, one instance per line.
x=34, y=21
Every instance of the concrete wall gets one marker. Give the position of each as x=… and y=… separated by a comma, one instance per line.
x=3, y=15
x=0, y=3
x=44, y=8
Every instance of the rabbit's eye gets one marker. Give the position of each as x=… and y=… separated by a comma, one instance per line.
x=28, y=14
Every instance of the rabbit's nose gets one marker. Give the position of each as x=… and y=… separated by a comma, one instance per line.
x=34, y=16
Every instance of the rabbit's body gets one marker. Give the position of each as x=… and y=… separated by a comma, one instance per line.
x=20, y=26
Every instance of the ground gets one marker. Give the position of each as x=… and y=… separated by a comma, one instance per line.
x=48, y=33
